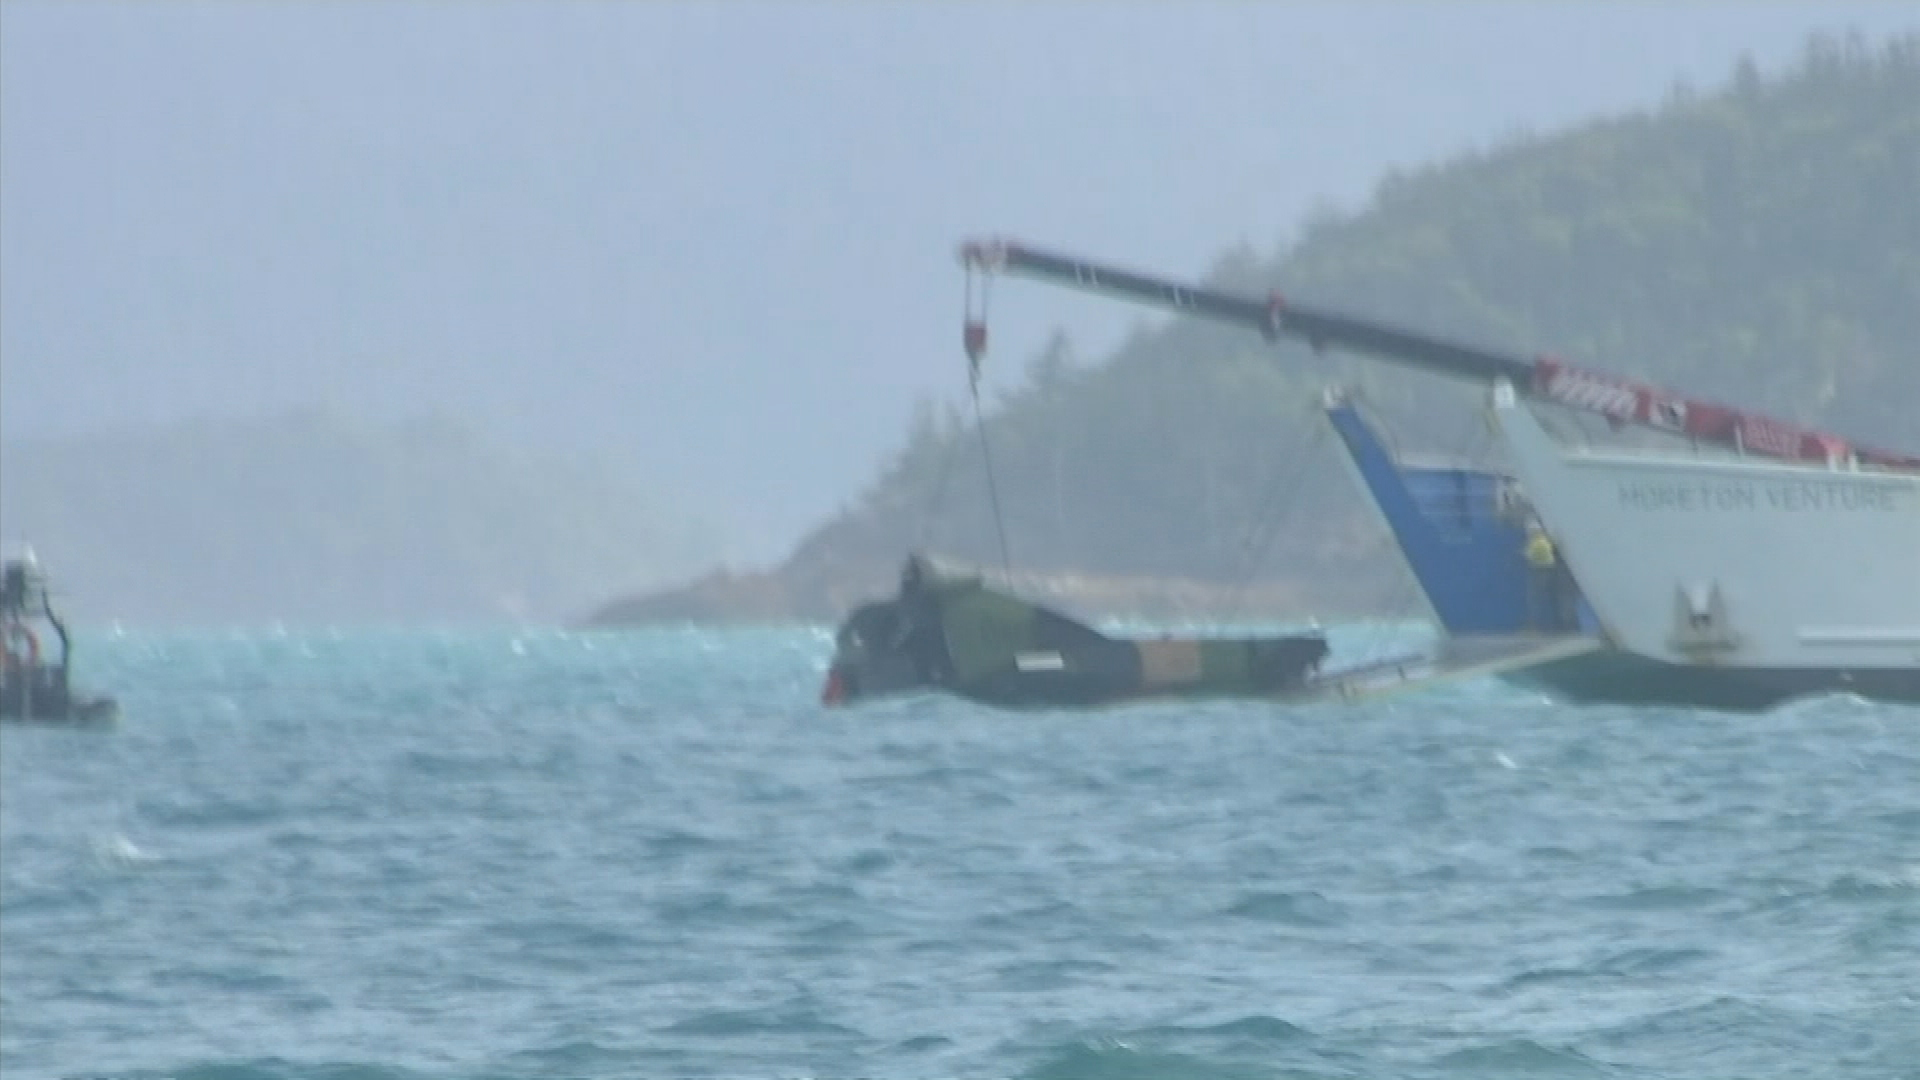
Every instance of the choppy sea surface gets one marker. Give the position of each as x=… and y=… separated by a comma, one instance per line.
x=652, y=854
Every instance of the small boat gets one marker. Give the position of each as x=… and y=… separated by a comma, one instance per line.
x=947, y=632
x=36, y=688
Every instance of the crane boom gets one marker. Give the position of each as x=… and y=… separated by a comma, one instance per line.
x=1546, y=378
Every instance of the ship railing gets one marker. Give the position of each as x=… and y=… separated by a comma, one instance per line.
x=1576, y=438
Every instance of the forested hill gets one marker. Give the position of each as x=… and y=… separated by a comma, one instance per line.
x=1757, y=243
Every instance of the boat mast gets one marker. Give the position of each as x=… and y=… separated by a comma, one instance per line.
x=1545, y=377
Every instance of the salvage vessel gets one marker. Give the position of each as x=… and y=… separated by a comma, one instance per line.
x=1808, y=580
x=1726, y=580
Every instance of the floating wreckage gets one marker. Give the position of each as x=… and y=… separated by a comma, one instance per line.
x=948, y=631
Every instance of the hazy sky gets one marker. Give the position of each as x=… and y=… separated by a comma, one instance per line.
x=712, y=244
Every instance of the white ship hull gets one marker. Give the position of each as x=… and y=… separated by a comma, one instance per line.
x=1753, y=577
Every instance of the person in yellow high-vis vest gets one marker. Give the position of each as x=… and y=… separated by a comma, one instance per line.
x=1543, y=576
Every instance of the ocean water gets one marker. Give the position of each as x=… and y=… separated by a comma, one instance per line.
x=651, y=854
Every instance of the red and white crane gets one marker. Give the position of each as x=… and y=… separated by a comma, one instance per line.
x=1546, y=378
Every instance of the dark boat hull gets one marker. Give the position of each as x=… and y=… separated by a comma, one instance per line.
x=1612, y=677
x=954, y=635
x=101, y=712
x=1273, y=667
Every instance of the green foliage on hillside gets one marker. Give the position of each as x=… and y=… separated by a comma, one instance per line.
x=307, y=517
x=1758, y=244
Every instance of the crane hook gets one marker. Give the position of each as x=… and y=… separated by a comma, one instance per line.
x=973, y=333
x=974, y=336
x=1276, y=317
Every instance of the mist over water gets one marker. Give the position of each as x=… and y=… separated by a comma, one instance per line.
x=711, y=247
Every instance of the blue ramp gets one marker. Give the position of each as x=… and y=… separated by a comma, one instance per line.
x=1463, y=545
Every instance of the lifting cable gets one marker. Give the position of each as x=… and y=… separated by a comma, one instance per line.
x=1281, y=491
x=935, y=502
x=1405, y=595
x=974, y=337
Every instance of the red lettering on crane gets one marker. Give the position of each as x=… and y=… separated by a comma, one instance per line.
x=1559, y=382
